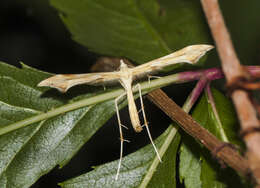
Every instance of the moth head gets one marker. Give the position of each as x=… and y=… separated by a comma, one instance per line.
x=122, y=64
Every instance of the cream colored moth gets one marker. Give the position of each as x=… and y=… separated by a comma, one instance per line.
x=125, y=75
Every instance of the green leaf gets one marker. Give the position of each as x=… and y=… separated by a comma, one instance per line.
x=138, y=169
x=59, y=123
x=29, y=152
x=139, y=30
x=54, y=138
x=190, y=164
x=165, y=174
x=197, y=168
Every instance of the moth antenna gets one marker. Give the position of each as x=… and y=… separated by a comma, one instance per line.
x=124, y=126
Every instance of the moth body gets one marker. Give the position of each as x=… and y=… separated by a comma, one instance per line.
x=126, y=81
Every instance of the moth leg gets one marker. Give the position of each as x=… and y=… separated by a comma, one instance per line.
x=146, y=123
x=117, y=110
x=121, y=134
x=139, y=111
x=151, y=76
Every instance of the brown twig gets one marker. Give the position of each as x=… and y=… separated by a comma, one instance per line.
x=230, y=156
x=234, y=72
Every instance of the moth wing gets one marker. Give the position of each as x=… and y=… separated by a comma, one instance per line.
x=190, y=54
x=63, y=82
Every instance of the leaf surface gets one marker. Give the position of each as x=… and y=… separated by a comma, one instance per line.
x=59, y=124
x=29, y=152
x=135, y=168
x=197, y=168
x=139, y=30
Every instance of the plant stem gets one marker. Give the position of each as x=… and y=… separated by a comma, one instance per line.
x=247, y=114
x=190, y=101
x=210, y=74
x=146, y=86
x=190, y=126
x=231, y=157
x=194, y=95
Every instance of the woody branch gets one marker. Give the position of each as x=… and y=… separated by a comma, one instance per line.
x=234, y=72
